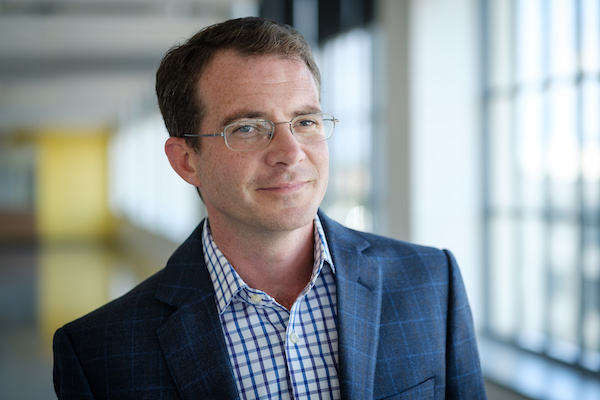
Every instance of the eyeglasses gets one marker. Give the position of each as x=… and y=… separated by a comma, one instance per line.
x=254, y=134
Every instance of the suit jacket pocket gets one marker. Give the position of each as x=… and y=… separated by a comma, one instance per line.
x=423, y=391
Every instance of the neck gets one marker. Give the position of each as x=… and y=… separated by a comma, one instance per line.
x=278, y=263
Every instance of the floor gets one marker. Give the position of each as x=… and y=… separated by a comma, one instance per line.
x=25, y=352
x=42, y=287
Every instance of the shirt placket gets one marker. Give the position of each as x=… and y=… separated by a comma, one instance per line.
x=294, y=352
x=275, y=316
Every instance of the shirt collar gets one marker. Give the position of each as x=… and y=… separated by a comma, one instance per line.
x=225, y=279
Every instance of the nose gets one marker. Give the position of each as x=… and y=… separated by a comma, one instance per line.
x=284, y=148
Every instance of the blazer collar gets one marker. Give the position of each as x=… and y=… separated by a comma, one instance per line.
x=359, y=284
x=184, y=276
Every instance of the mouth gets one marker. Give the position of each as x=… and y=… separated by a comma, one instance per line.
x=284, y=188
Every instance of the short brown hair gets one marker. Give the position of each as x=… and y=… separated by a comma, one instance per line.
x=181, y=67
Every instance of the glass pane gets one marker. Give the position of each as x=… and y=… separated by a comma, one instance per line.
x=591, y=337
x=590, y=156
x=346, y=58
x=530, y=135
x=591, y=276
x=565, y=298
x=501, y=153
x=591, y=321
x=562, y=37
x=590, y=35
x=562, y=153
x=503, y=278
x=591, y=324
x=591, y=256
x=534, y=282
x=529, y=41
x=500, y=44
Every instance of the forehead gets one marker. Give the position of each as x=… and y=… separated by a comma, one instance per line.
x=226, y=61
x=232, y=79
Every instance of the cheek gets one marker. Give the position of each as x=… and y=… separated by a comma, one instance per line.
x=321, y=160
x=225, y=174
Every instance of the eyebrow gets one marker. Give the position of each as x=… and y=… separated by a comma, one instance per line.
x=263, y=115
x=241, y=116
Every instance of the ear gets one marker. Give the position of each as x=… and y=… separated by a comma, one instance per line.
x=182, y=157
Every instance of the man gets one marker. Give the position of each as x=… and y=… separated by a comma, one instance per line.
x=269, y=298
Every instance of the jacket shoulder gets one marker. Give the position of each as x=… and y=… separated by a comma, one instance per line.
x=137, y=304
x=390, y=247
x=148, y=301
x=382, y=247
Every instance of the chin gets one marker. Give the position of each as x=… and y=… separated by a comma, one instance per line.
x=292, y=219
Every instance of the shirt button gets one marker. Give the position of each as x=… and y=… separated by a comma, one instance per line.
x=256, y=298
x=294, y=338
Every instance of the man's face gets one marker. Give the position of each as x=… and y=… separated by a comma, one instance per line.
x=280, y=187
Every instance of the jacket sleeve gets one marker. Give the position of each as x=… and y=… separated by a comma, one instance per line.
x=70, y=381
x=464, y=379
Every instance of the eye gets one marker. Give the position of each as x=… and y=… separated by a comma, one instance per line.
x=248, y=130
x=245, y=129
x=308, y=123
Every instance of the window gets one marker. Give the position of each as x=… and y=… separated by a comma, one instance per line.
x=542, y=177
x=346, y=92
x=143, y=188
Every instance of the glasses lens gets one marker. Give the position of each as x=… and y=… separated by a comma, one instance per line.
x=248, y=135
x=313, y=128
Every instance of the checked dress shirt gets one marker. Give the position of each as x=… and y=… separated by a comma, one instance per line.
x=276, y=353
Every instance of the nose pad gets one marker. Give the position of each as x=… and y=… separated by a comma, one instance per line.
x=289, y=124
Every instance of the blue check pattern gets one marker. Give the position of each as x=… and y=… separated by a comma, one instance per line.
x=276, y=353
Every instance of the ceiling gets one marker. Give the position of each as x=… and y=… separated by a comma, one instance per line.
x=70, y=63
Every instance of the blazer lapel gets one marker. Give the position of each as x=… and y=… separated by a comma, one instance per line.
x=192, y=339
x=193, y=347
x=359, y=285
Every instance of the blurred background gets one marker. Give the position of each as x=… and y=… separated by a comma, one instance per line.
x=471, y=125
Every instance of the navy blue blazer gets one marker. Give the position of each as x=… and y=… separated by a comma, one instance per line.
x=404, y=323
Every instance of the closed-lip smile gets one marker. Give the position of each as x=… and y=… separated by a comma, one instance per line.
x=285, y=187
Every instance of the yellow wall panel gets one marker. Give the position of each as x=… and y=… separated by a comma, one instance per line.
x=73, y=279
x=71, y=197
